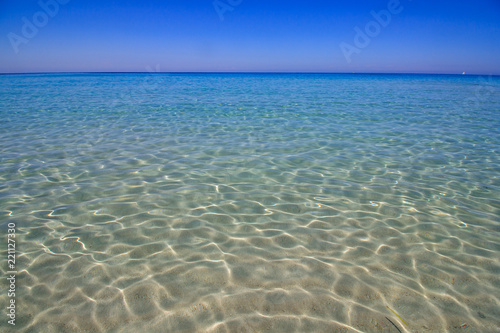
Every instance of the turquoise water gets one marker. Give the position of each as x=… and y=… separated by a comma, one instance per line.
x=252, y=203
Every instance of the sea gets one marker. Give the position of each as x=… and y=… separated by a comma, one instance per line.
x=216, y=202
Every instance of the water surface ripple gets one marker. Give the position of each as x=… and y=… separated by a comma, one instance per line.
x=252, y=203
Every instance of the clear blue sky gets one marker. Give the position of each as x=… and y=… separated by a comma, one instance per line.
x=256, y=35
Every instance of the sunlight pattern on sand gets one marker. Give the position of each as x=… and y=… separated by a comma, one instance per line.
x=252, y=203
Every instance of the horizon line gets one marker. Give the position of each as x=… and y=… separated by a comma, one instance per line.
x=244, y=72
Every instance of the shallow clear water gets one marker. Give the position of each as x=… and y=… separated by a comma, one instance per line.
x=251, y=203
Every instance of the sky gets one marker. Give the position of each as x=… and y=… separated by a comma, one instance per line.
x=390, y=36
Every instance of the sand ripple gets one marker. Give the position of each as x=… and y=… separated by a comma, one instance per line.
x=279, y=216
